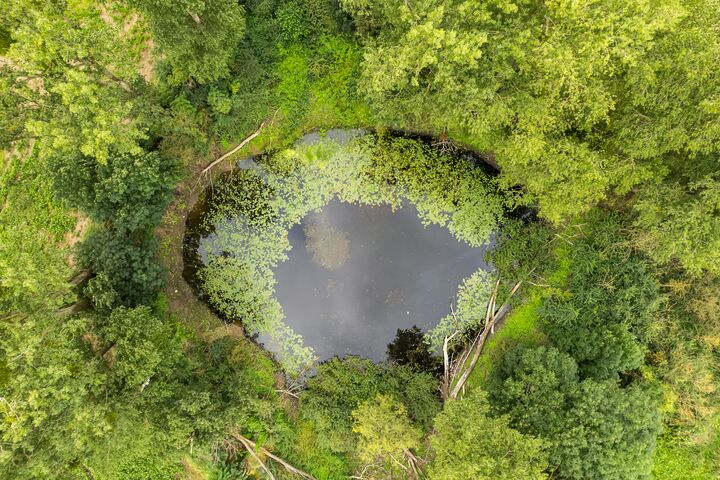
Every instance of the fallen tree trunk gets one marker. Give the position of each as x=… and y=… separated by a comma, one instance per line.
x=241, y=145
x=492, y=318
x=252, y=447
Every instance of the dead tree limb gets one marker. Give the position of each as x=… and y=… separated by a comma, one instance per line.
x=445, y=389
x=241, y=145
x=494, y=318
x=252, y=447
x=251, y=450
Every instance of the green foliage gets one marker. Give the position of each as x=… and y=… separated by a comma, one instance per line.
x=524, y=249
x=53, y=410
x=141, y=345
x=612, y=296
x=472, y=304
x=33, y=270
x=682, y=344
x=676, y=458
x=467, y=444
x=130, y=191
x=679, y=222
x=340, y=386
x=385, y=431
x=528, y=81
x=5, y=40
x=446, y=190
x=197, y=38
x=147, y=469
x=592, y=429
x=73, y=78
x=125, y=268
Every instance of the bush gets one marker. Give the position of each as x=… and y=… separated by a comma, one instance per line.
x=341, y=385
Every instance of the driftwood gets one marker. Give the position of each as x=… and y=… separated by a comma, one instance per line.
x=241, y=145
x=252, y=447
x=492, y=317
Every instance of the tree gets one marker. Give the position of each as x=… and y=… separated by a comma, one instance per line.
x=131, y=191
x=530, y=82
x=341, y=385
x=53, y=407
x=468, y=443
x=679, y=222
x=670, y=115
x=386, y=433
x=125, y=269
x=69, y=81
x=139, y=345
x=610, y=300
x=197, y=38
x=411, y=347
x=593, y=429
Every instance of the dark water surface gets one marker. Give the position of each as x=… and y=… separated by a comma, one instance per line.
x=357, y=273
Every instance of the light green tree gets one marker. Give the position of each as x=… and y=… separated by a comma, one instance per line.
x=469, y=444
x=530, y=81
x=52, y=407
x=386, y=434
x=69, y=80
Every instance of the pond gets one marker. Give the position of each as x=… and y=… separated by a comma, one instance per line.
x=329, y=248
x=357, y=273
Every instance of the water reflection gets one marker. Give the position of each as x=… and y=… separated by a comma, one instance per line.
x=356, y=274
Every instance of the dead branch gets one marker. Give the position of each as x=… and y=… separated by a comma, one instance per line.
x=251, y=450
x=446, y=366
x=287, y=392
x=413, y=461
x=494, y=318
x=241, y=145
x=252, y=447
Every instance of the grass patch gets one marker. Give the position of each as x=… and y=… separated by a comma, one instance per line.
x=679, y=458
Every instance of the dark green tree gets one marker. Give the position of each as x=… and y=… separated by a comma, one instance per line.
x=610, y=300
x=197, y=38
x=594, y=430
x=124, y=266
x=130, y=191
